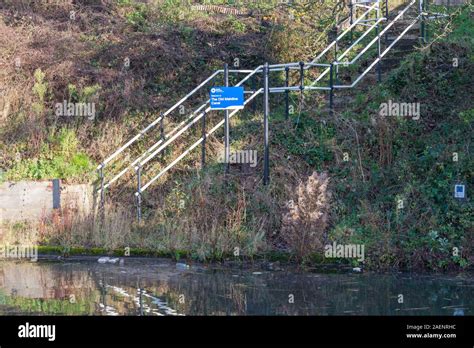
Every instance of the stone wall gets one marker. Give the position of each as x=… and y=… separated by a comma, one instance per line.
x=32, y=200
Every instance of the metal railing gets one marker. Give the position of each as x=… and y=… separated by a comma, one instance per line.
x=331, y=67
x=151, y=152
x=377, y=39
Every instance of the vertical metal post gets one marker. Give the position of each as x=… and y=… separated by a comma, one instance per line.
x=162, y=133
x=266, y=166
x=301, y=89
x=331, y=86
x=427, y=22
x=379, y=64
x=56, y=194
x=139, y=193
x=203, y=149
x=226, y=123
x=162, y=127
x=287, y=93
x=386, y=16
x=301, y=76
x=335, y=56
x=254, y=88
x=102, y=193
x=351, y=11
x=103, y=292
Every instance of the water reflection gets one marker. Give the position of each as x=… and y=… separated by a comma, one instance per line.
x=158, y=287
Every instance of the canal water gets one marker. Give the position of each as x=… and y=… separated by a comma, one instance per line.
x=163, y=287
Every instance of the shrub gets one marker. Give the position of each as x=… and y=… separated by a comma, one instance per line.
x=305, y=222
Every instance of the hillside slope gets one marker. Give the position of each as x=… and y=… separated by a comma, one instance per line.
x=356, y=177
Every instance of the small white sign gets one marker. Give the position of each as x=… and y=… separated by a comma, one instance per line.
x=459, y=191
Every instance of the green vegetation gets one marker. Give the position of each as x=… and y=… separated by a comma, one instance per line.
x=393, y=193
x=40, y=89
x=59, y=158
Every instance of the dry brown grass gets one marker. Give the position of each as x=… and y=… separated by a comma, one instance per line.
x=87, y=51
x=207, y=223
x=90, y=50
x=306, y=221
x=69, y=228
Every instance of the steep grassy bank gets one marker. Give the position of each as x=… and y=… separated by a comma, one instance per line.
x=355, y=178
x=131, y=60
x=395, y=194
x=388, y=185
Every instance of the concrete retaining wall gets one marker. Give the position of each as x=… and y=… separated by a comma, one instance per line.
x=33, y=200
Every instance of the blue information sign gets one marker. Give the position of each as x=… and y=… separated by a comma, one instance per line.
x=227, y=98
x=459, y=191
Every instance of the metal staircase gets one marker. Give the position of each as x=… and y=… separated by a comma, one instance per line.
x=320, y=74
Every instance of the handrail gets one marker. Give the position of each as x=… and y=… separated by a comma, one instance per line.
x=198, y=114
x=337, y=62
x=180, y=157
x=381, y=56
x=334, y=42
x=274, y=67
x=151, y=125
x=148, y=151
x=378, y=37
